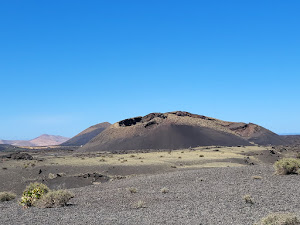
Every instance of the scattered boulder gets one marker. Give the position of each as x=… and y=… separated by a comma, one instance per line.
x=95, y=177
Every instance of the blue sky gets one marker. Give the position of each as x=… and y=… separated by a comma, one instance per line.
x=66, y=65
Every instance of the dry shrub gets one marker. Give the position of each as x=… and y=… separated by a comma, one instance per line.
x=248, y=199
x=54, y=199
x=139, y=204
x=7, y=196
x=287, y=166
x=280, y=219
x=164, y=190
x=52, y=176
x=33, y=193
x=132, y=190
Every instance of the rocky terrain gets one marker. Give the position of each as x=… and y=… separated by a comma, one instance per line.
x=175, y=130
x=210, y=196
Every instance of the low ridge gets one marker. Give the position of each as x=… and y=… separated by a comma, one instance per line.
x=88, y=134
x=175, y=130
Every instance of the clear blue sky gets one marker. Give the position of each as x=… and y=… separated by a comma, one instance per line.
x=66, y=65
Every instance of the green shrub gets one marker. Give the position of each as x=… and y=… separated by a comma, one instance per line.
x=280, y=219
x=6, y=196
x=287, y=166
x=53, y=199
x=33, y=193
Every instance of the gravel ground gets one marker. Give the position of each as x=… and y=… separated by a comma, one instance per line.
x=202, y=196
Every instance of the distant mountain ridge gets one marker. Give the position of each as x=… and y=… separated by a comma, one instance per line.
x=43, y=140
x=88, y=134
x=175, y=130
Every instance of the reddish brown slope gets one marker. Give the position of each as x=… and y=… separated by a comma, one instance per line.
x=47, y=140
x=257, y=134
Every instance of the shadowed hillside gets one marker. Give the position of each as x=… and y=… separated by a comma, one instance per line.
x=88, y=134
x=175, y=130
x=292, y=139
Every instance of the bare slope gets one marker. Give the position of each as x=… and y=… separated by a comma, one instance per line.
x=46, y=140
x=88, y=134
x=175, y=130
x=257, y=134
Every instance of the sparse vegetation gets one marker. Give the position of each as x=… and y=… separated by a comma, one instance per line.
x=7, y=196
x=132, y=190
x=280, y=219
x=38, y=194
x=164, y=190
x=139, y=204
x=287, y=166
x=26, y=165
x=248, y=199
x=53, y=199
x=33, y=193
x=52, y=176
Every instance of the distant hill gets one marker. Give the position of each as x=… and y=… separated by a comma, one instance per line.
x=43, y=140
x=88, y=134
x=46, y=140
x=175, y=130
x=292, y=139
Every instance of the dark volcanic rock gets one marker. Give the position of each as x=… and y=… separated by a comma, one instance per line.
x=19, y=156
x=130, y=122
